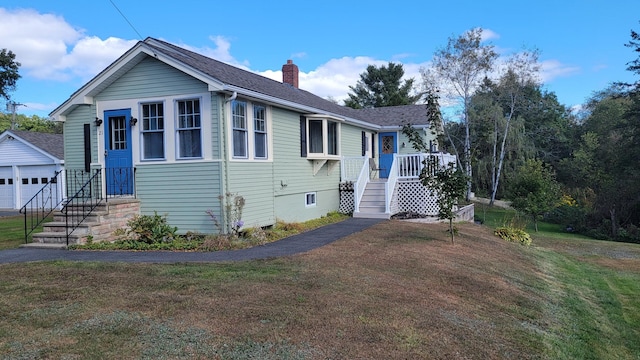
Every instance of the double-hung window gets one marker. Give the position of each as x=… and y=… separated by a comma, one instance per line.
x=249, y=138
x=239, y=125
x=323, y=137
x=260, y=131
x=189, y=129
x=153, y=131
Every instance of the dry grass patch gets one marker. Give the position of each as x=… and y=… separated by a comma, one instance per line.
x=398, y=290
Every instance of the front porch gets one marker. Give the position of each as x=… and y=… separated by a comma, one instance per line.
x=401, y=191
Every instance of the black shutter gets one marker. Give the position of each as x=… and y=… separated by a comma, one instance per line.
x=87, y=147
x=364, y=143
x=373, y=145
x=303, y=136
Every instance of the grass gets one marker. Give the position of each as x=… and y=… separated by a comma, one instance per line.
x=12, y=231
x=395, y=290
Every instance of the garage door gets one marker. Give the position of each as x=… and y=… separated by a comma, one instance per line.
x=6, y=188
x=32, y=179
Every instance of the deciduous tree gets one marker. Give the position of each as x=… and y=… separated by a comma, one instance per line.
x=8, y=72
x=462, y=64
x=534, y=190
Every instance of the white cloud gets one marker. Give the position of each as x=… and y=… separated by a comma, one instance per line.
x=333, y=78
x=552, y=69
x=48, y=48
x=221, y=51
x=488, y=34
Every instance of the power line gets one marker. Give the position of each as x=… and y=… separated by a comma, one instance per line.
x=127, y=20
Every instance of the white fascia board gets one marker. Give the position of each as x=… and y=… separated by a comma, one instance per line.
x=84, y=96
x=298, y=107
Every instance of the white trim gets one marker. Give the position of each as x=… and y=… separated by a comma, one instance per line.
x=250, y=132
x=325, y=138
x=170, y=126
x=314, y=195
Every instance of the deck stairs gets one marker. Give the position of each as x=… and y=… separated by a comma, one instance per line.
x=373, y=203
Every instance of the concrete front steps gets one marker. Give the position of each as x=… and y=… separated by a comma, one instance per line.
x=372, y=205
x=98, y=226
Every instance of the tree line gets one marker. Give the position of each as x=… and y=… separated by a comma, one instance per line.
x=516, y=141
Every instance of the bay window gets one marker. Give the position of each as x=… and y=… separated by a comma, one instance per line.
x=322, y=138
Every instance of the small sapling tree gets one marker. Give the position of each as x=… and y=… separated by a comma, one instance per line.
x=448, y=183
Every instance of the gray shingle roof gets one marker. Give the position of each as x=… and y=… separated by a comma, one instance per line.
x=231, y=75
x=52, y=144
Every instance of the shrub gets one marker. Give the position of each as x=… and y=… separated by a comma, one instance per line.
x=151, y=229
x=513, y=234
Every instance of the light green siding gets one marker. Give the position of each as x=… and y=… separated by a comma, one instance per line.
x=74, y=137
x=253, y=181
x=351, y=140
x=183, y=191
x=408, y=148
x=293, y=175
x=152, y=78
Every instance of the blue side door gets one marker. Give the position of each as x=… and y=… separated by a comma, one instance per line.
x=388, y=145
x=118, y=158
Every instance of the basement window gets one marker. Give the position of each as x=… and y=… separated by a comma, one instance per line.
x=310, y=199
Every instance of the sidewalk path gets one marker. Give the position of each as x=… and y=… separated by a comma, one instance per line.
x=292, y=245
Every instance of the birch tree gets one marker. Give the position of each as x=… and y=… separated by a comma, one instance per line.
x=520, y=72
x=461, y=65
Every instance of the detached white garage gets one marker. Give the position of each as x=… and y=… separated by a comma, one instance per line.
x=28, y=160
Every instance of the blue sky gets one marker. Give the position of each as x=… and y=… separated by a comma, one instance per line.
x=63, y=44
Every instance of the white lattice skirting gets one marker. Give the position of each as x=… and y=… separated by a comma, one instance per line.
x=408, y=196
x=416, y=198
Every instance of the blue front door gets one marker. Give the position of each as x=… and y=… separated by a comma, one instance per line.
x=118, y=159
x=388, y=143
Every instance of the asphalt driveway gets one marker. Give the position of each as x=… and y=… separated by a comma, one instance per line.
x=289, y=246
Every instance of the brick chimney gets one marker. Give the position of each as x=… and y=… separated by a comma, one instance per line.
x=290, y=73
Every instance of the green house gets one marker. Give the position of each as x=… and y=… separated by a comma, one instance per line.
x=176, y=131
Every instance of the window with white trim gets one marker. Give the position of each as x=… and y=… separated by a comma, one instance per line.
x=260, y=131
x=323, y=138
x=239, y=126
x=310, y=199
x=189, y=129
x=152, y=131
x=249, y=131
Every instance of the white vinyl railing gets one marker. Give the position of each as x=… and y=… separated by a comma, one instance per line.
x=410, y=166
x=351, y=166
x=390, y=185
x=360, y=184
x=357, y=168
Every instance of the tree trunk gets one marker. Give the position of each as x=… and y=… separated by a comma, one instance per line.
x=614, y=226
x=493, y=161
x=502, y=151
x=451, y=229
x=467, y=147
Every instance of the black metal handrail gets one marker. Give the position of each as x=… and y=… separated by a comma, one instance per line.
x=79, y=206
x=42, y=204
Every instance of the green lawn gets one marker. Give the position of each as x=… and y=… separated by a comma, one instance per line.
x=11, y=232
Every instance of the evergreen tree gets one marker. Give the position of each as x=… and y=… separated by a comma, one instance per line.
x=382, y=86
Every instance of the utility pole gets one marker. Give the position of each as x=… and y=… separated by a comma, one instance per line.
x=11, y=107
